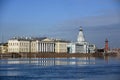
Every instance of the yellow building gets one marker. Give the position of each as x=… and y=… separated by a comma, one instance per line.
x=3, y=48
x=61, y=46
x=34, y=46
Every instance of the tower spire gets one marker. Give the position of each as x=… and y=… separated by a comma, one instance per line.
x=80, y=35
x=80, y=28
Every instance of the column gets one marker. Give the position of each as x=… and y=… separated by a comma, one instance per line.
x=46, y=47
x=37, y=47
x=41, y=47
x=52, y=47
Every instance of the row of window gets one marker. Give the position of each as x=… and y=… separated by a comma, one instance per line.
x=17, y=44
x=33, y=44
x=25, y=44
x=18, y=50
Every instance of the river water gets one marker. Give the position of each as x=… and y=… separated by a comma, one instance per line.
x=85, y=68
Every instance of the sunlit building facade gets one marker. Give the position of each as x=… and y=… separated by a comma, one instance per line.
x=18, y=45
x=48, y=45
x=3, y=47
x=81, y=46
x=37, y=45
x=43, y=45
x=61, y=46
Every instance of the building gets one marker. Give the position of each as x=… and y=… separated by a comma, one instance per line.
x=26, y=45
x=39, y=45
x=19, y=45
x=48, y=45
x=3, y=47
x=61, y=46
x=81, y=46
x=43, y=45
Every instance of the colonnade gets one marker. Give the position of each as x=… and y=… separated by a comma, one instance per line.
x=46, y=47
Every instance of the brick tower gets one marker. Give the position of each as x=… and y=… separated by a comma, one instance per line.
x=106, y=46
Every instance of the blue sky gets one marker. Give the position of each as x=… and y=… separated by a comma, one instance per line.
x=61, y=19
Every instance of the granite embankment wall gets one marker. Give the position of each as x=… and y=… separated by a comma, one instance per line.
x=52, y=55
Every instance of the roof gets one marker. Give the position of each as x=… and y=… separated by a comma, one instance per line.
x=38, y=38
x=28, y=38
x=59, y=40
x=4, y=44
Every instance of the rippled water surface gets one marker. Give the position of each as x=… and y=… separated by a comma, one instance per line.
x=85, y=68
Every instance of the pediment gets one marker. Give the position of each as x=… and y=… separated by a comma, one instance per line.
x=47, y=39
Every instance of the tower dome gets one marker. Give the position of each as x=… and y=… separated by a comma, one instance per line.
x=80, y=36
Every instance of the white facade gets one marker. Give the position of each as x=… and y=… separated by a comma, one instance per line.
x=81, y=46
x=81, y=37
x=45, y=45
x=18, y=45
x=77, y=48
x=71, y=48
x=92, y=48
x=49, y=45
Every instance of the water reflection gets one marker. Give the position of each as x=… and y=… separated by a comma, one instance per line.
x=84, y=68
x=106, y=58
x=51, y=61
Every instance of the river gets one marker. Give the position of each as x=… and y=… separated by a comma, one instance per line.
x=84, y=68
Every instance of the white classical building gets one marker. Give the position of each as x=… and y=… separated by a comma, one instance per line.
x=43, y=45
x=18, y=45
x=49, y=45
x=39, y=45
x=81, y=46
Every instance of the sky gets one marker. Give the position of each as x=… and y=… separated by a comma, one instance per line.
x=100, y=19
